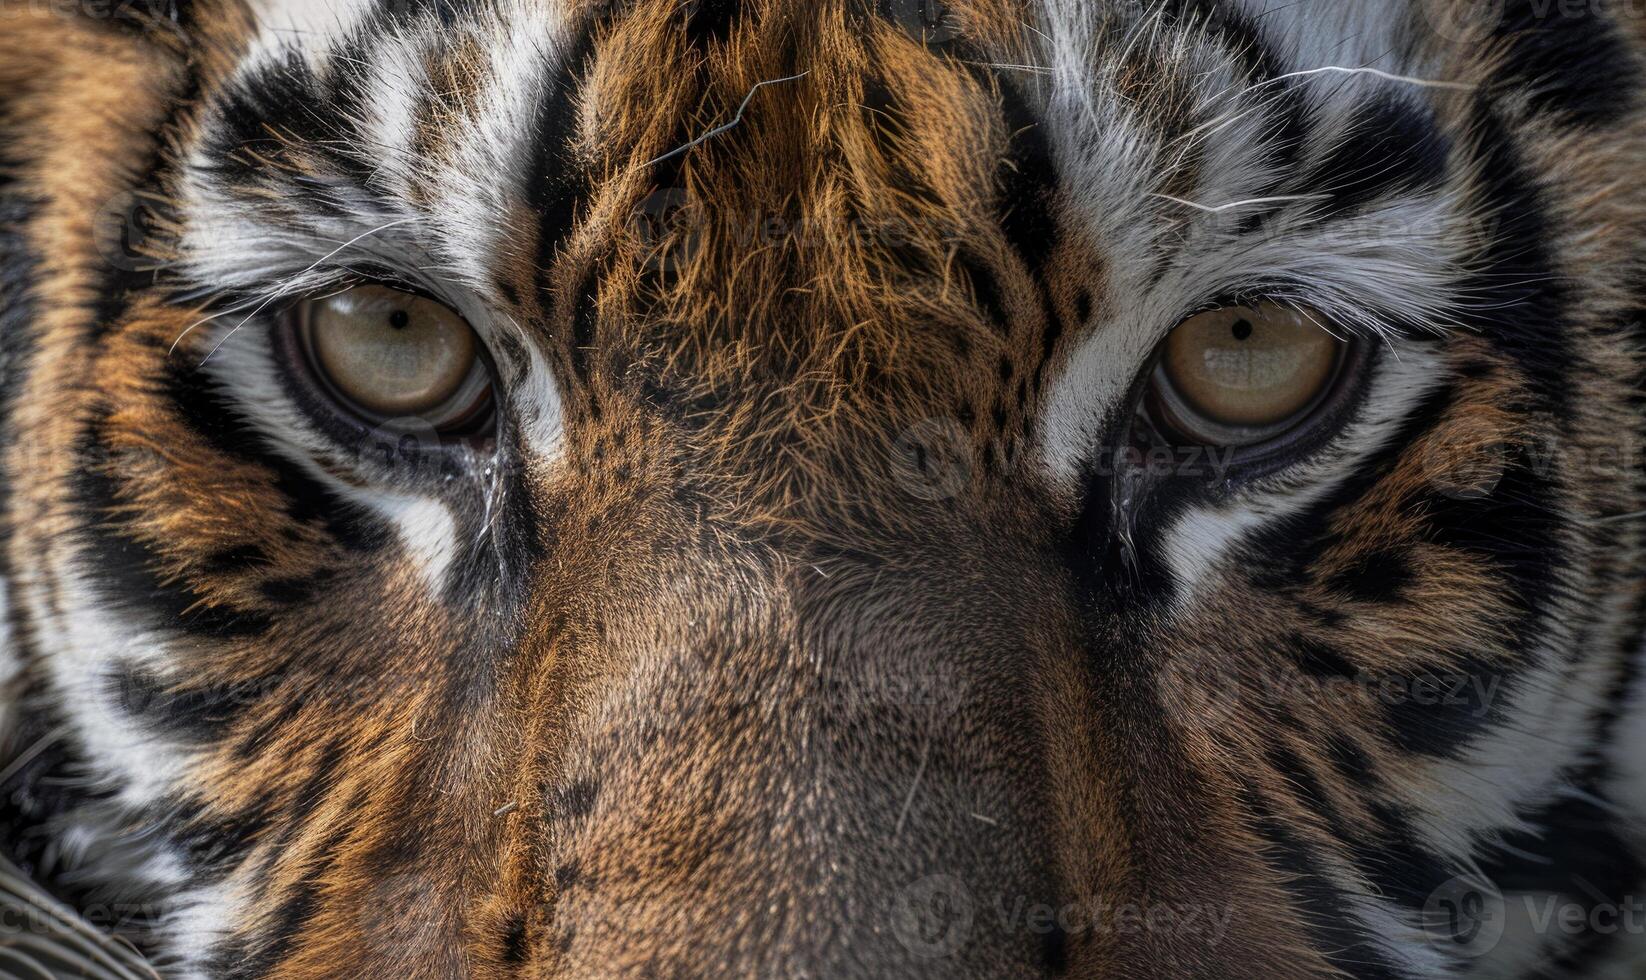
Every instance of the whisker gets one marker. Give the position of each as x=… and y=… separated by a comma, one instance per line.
x=1220, y=208
x=284, y=286
x=736, y=119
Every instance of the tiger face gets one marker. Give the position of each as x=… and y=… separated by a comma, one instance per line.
x=530, y=488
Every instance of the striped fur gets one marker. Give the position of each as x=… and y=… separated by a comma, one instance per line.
x=802, y=621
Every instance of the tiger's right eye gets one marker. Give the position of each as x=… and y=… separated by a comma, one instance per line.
x=384, y=354
x=1244, y=375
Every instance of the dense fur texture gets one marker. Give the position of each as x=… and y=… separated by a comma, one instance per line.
x=803, y=622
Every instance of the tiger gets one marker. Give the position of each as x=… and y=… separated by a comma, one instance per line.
x=1135, y=489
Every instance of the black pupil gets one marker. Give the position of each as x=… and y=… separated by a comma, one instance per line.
x=1242, y=329
x=399, y=319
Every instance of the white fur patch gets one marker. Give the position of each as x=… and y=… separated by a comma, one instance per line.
x=87, y=637
x=427, y=530
x=542, y=419
x=308, y=27
x=200, y=918
x=1319, y=33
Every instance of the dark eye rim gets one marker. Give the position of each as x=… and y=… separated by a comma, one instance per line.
x=1306, y=433
x=332, y=413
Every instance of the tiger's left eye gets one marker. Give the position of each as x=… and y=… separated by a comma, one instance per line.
x=1244, y=375
x=384, y=354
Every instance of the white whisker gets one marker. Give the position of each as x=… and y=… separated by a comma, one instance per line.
x=1379, y=73
x=288, y=283
x=1220, y=208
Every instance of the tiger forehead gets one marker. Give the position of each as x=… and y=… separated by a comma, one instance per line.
x=810, y=194
x=781, y=115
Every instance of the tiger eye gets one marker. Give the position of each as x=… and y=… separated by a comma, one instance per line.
x=1242, y=371
x=392, y=353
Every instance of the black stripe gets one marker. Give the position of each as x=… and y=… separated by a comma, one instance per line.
x=1516, y=526
x=514, y=949
x=347, y=99
x=199, y=715
x=710, y=21
x=1379, y=576
x=149, y=208
x=1306, y=788
x=164, y=21
x=285, y=95
x=46, y=786
x=1285, y=136
x=409, y=13
x=1028, y=179
x=1437, y=712
x=214, y=844
x=986, y=292
x=1320, y=661
x=1285, y=114
x=1570, y=61
x=1629, y=670
x=1232, y=28
x=207, y=412
x=297, y=590
x=585, y=325
x=572, y=801
x=19, y=269
x=326, y=116
x=1521, y=299
x=1350, y=761
x=1398, y=866
x=559, y=184
x=1389, y=147
x=124, y=568
x=292, y=913
x=1574, y=851
x=1322, y=907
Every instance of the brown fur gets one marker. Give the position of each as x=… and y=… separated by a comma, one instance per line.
x=647, y=767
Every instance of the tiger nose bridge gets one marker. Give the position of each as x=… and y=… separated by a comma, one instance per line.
x=794, y=782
